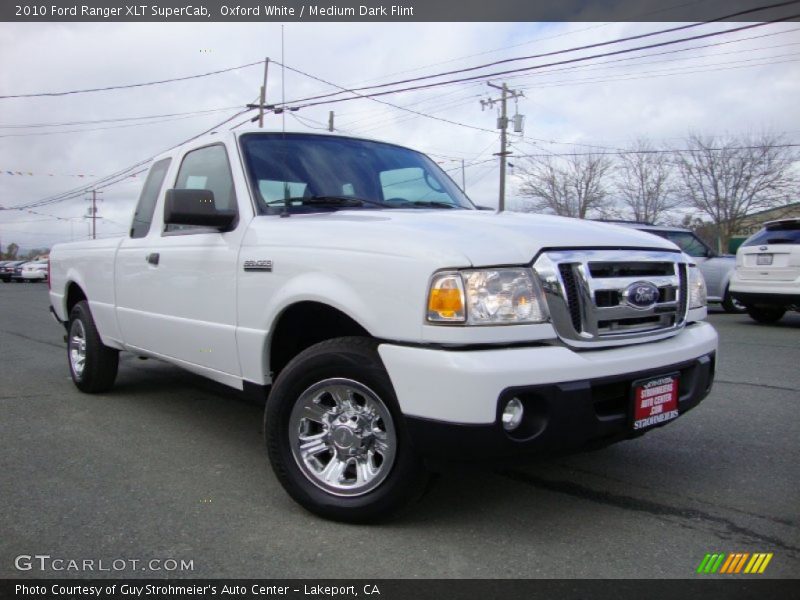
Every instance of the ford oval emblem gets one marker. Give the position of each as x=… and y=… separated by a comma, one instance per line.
x=641, y=295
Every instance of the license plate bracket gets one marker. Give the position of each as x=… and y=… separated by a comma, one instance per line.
x=764, y=259
x=655, y=400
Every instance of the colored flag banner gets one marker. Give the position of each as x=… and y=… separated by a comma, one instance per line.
x=734, y=563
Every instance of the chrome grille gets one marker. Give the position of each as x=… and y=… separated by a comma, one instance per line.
x=590, y=294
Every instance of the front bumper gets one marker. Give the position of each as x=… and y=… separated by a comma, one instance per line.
x=561, y=417
x=573, y=399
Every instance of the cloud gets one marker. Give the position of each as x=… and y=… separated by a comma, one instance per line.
x=607, y=105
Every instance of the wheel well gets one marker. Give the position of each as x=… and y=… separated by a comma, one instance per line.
x=304, y=324
x=74, y=295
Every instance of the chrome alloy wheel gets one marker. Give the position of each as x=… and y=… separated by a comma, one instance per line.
x=77, y=347
x=342, y=437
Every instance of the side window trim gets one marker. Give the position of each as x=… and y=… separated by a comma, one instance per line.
x=133, y=233
x=194, y=230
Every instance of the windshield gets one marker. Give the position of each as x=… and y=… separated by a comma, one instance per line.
x=315, y=173
x=786, y=232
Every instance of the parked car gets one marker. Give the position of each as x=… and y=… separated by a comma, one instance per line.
x=7, y=270
x=767, y=278
x=388, y=323
x=34, y=271
x=17, y=275
x=717, y=269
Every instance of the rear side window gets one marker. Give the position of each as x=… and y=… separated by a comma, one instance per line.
x=207, y=169
x=147, y=201
x=783, y=233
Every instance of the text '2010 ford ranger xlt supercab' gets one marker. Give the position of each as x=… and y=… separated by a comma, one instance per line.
x=391, y=323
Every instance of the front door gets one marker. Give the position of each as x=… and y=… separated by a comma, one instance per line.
x=176, y=287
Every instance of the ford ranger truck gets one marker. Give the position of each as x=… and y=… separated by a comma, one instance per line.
x=390, y=324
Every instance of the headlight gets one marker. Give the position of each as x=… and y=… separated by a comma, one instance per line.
x=697, y=288
x=486, y=297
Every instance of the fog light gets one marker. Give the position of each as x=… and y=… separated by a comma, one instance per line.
x=512, y=414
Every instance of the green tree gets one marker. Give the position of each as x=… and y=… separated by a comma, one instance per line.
x=11, y=251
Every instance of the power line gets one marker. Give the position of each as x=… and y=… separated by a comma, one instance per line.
x=662, y=73
x=117, y=176
x=129, y=85
x=107, y=128
x=599, y=65
x=116, y=119
x=567, y=50
x=541, y=66
x=396, y=106
x=656, y=151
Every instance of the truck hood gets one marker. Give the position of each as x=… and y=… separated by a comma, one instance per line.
x=457, y=237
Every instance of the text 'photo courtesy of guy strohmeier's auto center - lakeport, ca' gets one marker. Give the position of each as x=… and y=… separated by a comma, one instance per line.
x=406, y=300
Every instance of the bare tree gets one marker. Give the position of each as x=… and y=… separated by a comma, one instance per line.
x=573, y=187
x=644, y=182
x=726, y=179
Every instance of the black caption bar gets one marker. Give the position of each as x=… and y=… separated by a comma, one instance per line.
x=388, y=10
x=396, y=589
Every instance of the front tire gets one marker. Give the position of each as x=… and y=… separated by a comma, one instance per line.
x=766, y=314
x=335, y=435
x=92, y=365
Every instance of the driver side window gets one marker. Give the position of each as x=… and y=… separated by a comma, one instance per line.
x=207, y=169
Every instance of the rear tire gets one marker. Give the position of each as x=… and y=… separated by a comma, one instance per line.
x=92, y=365
x=731, y=305
x=766, y=314
x=336, y=437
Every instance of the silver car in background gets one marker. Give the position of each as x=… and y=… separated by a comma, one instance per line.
x=717, y=269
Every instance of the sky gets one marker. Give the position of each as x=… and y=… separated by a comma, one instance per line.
x=740, y=87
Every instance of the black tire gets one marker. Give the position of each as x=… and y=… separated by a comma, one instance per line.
x=349, y=359
x=100, y=362
x=732, y=306
x=766, y=314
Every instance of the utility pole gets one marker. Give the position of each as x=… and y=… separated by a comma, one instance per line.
x=93, y=214
x=502, y=125
x=263, y=95
x=330, y=120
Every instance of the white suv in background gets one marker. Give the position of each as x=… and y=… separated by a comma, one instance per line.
x=767, y=277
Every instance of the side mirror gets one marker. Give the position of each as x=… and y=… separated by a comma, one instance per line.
x=196, y=207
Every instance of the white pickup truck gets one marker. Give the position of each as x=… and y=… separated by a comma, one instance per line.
x=390, y=324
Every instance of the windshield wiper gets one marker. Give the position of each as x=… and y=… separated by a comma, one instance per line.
x=432, y=204
x=343, y=201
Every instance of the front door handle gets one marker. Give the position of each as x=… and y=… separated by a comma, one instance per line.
x=152, y=258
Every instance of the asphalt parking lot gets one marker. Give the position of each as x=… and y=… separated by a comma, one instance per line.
x=170, y=466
